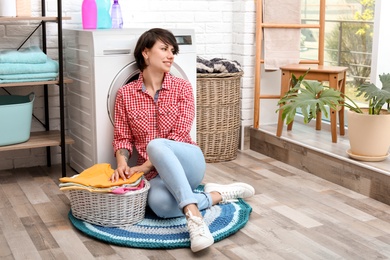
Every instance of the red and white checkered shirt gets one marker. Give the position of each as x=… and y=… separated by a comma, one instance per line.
x=139, y=119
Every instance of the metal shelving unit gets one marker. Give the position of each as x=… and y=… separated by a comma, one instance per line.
x=46, y=138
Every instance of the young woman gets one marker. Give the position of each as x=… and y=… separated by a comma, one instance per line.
x=154, y=114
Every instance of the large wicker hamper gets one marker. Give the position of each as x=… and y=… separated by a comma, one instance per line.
x=218, y=115
x=108, y=209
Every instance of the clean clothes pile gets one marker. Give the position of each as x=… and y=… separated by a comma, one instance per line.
x=96, y=179
x=30, y=64
x=217, y=65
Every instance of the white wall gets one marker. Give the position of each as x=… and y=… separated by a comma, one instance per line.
x=224, y=29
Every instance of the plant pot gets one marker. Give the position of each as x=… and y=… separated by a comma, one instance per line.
x=369, y=135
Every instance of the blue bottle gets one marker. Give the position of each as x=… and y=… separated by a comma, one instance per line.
x=116, y=15
x=103, y=14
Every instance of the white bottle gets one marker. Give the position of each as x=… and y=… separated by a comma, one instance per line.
x=8, y=8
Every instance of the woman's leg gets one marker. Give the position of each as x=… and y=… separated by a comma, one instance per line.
x=181, y=169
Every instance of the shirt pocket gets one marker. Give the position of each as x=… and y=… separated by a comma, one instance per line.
x=167, y=117
x=139, y=122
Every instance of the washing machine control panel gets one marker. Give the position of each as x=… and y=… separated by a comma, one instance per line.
x=183, y=39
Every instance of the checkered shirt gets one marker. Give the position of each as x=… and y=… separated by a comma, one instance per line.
x=139, y=119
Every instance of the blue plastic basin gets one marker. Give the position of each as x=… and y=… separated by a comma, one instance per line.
x=15, y=118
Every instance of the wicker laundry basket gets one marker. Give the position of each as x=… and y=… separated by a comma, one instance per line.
x=108, y=209
x=218, y=115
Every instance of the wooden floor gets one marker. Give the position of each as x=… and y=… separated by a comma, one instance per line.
x=295, y=215
x=312, y=151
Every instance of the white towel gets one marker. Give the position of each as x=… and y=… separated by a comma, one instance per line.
x=281, y=46
x=23, y=7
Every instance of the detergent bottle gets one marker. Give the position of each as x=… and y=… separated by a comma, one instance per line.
x=116, y=15
x=89, y=14
x=103, y=14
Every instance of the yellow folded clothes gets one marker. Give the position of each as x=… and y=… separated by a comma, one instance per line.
x=98, y=176
x=101, y=190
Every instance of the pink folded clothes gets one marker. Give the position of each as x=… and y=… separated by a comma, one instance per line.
x=124, y=189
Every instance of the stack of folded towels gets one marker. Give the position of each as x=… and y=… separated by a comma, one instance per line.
x=30, y=64
x=97, y=179
x=217, y=65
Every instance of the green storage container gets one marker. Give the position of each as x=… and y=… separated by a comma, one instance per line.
x=15, y=118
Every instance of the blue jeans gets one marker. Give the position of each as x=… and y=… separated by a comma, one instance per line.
x=181, y=168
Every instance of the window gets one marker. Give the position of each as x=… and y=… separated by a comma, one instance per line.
x=348, y=38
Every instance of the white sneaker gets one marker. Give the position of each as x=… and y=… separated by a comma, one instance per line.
x=231, y=192
x=200, y=235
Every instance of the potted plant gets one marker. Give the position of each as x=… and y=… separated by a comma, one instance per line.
x=368, y=130
x=368, y=141
x=308, y=96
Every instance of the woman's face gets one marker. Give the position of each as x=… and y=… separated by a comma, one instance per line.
x=160, y=57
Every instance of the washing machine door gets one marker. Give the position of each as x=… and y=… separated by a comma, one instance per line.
x=130, y=73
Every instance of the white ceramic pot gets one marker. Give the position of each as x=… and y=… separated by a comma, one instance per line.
x=369, y=136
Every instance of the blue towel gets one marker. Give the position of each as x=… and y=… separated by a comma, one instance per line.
x=29, y=55
x=25, y=68
x=28, y=77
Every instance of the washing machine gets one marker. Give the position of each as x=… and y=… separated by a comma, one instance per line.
x=99, y=62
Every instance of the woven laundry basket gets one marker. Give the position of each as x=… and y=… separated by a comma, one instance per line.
x=218, y=115
x=108, y=209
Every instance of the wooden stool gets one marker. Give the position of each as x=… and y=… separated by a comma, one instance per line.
x=336, y=77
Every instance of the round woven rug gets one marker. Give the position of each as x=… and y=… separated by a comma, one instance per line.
x=154, y=232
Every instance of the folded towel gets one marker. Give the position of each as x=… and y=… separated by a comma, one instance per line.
x=25, y=76
x=29, y=77
x=124, y=190
x=98, y=176
x=25, y=68
x=29, y=55
x=217, y=65
x=115, y=189
x=281, y=46
x=25, y=80
x=76, y=186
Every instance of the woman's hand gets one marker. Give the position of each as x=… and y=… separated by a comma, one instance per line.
x=125, y=172
x=146, y=167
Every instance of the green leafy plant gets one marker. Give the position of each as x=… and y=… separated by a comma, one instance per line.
x=375, y=96
x=312, y=97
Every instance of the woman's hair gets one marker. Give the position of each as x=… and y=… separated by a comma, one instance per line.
x=148, y=39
